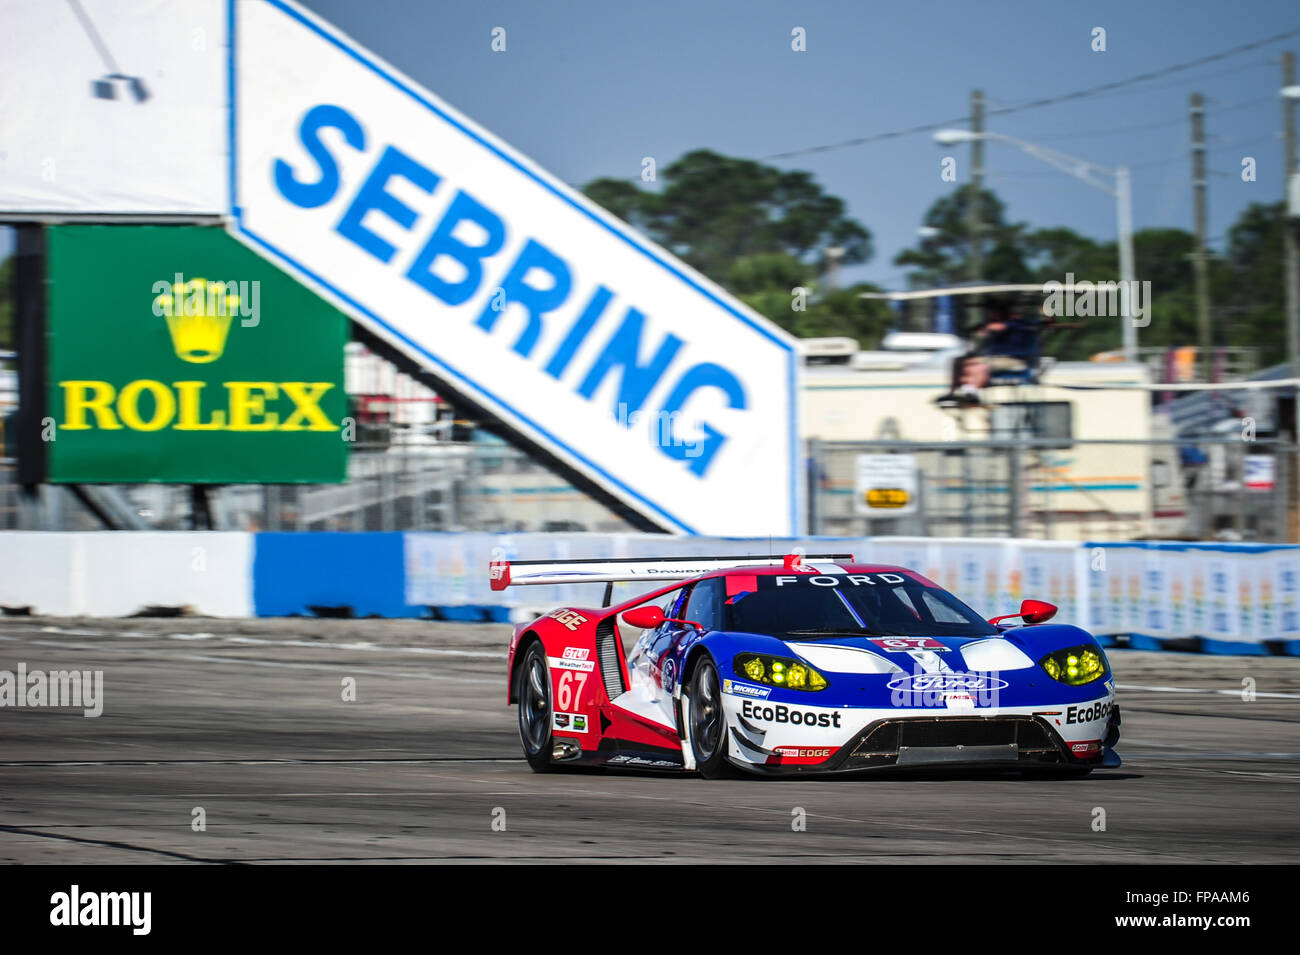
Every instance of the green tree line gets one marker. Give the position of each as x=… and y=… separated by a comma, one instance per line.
x=762, y=232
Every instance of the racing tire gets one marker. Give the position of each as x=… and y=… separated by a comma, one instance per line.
x=708, y=722
x=533, y=691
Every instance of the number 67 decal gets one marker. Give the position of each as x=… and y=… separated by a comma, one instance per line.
x=571, y=685
x=903, y=644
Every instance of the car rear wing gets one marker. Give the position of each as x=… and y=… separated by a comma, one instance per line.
x=600, y=570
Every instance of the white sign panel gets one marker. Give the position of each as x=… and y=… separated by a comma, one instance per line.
x=113, y=106
x=885, y=485
x=1258, y=472
x=510, y=287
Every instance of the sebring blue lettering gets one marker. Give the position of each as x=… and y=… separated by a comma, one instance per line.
x=374, y=195
x=622, y=351
x=579, y=331
x=700, y=454
x=462, y=243
x=537, y=301
x=464, y=208
x=309, y=195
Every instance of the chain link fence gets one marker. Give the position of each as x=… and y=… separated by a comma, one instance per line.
x=1207, y=489
x=1203, y=489
x=444, y=486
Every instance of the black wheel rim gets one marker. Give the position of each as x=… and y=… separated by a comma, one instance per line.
x=534, y=704
x=706, y=713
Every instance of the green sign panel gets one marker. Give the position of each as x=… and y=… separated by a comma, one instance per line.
x=175, y=354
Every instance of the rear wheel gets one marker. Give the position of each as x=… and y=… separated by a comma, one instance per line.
x=708, y=722
x=533, y=691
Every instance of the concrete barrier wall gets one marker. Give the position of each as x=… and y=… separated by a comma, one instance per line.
x=1232, y=598
x=117, y=574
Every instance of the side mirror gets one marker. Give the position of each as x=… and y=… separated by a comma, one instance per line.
x=1031, y=612
x=1036, y=611
x=643, y=618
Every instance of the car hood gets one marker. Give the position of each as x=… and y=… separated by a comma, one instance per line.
x=849, y=654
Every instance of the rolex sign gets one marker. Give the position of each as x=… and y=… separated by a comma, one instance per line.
x=176, y=354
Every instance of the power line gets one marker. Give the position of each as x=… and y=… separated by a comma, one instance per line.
x=1038, y=103
x=1143, y=127
x=863, y=140
x=1177, y=84
x=1146, y=77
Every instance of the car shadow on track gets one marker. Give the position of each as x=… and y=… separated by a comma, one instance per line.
x=877, y=776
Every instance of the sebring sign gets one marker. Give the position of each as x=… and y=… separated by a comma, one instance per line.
x=515, y=292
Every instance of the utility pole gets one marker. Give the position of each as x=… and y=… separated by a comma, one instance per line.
x=833, y=255
x=1200, y=260
x=975, y=223
x=1292, y=277
x=1127, y=275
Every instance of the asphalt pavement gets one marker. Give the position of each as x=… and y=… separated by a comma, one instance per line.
x=245, y=726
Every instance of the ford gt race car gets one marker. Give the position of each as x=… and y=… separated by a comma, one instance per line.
x=801, y=664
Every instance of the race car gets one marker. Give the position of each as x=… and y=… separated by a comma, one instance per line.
x=801, y=665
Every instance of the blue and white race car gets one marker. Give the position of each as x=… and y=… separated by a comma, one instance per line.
x=802, y=665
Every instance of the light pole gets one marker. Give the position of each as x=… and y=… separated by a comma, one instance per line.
x=833, y=255
x=1290, y=93
x=1088, y=172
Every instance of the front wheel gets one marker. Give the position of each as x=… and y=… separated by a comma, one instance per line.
x=533, y=690
x=708, y=722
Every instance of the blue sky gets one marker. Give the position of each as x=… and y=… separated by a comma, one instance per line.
x=587, y=89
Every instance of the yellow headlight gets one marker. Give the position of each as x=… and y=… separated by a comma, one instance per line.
x=1075, y=666
x=1090, y=662
x=779, y=671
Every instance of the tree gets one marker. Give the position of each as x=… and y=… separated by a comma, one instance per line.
x=1054, y=253
x=943, y=255
x=770, y=284
x=760, y=232
x=1162, y=258
x=1249, y=294
x=714, y=210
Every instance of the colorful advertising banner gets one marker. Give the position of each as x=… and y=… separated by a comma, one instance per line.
x=175, y=354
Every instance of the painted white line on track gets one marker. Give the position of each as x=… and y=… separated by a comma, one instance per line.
x=1128, y=756
x=1242, y=772
x=266, y=641
x=1199, y=689
x=206, y=658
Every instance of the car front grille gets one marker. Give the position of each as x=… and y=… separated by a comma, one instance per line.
x=881, y=743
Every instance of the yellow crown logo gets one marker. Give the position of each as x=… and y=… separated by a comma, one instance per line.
x=198, y=314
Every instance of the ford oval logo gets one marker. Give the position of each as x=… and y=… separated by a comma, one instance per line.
x=946, y=682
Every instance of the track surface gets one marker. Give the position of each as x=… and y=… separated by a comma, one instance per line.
x=246, y=720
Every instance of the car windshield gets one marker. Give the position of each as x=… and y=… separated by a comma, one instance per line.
x=812, y=606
